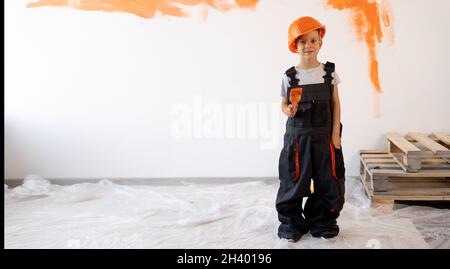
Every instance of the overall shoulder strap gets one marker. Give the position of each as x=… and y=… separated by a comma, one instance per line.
x=329, y=69
x=293, y=81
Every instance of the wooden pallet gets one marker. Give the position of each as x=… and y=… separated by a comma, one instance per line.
x=411, y=151
x=384, y=178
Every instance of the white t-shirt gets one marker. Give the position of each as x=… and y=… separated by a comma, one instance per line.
x=309, y=76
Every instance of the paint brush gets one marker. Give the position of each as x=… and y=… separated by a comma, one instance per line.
x=295, y=97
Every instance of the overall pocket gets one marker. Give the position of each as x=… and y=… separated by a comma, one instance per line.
x=288, y=164
x=339, y=176
x=340, y=166
x=303, y=115
x=319, y=114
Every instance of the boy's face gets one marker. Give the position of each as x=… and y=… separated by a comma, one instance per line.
x=308, y=45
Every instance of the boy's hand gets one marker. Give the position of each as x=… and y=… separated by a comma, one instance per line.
x=336, y=139
x=290, y=111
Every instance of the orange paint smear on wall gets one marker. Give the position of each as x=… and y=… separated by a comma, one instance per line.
x=145, y=8
x=367, y=16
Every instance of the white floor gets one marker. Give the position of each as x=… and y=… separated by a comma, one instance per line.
x=198, y=215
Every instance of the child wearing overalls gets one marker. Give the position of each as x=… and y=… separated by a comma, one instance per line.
x=312, y=142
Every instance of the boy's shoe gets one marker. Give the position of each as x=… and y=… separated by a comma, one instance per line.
x=295, y=239
x=326, y=234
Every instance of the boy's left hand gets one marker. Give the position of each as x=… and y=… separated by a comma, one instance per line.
x=336, y=139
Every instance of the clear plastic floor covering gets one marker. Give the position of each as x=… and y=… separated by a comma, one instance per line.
x=192, y=214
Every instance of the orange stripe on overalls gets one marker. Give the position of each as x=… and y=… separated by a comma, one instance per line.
x=297, y=164
x=333, y=161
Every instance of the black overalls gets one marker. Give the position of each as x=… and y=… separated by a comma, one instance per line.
x=308, y=153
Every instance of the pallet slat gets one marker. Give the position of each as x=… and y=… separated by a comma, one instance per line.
x=401, y=143
x=429, y=143
x=422, y=173
x=445, y=138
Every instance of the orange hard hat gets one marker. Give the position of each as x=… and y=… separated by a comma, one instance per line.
x=303, y=26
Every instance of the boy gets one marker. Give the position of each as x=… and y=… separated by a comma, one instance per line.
x=312, y=142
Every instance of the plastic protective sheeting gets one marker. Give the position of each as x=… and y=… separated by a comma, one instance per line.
x=198, y=215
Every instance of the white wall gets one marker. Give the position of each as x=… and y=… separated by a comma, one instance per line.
x=94, y=94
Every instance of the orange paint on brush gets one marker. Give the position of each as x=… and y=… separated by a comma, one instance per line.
x=145, y=8
x=295, y=97
x=367, y=18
